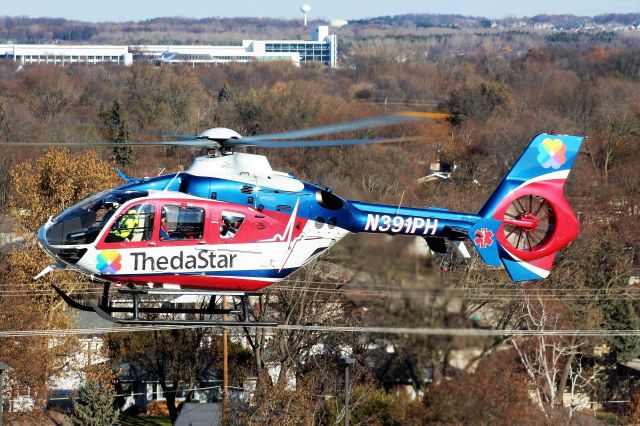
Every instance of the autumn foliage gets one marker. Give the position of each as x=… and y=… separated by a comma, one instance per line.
x=54, y=182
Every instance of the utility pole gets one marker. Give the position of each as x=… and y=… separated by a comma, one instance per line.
x=88, y=375
x=225, y=367
x=348, y=363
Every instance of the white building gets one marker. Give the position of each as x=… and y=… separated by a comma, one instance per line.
x=321, y=48
x=66, y=54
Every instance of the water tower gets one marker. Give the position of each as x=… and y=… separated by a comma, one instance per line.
x=305, y=8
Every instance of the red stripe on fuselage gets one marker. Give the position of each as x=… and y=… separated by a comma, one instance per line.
x=196, y=282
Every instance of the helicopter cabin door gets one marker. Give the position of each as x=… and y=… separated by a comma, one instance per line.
x=182, y=224
x=133, y=228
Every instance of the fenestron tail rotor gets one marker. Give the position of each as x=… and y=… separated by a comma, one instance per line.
x=529, y=222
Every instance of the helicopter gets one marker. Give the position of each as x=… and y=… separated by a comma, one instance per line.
x=230, y=225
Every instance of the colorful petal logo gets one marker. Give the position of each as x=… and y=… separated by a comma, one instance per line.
x=109, y=262
x=552, y=153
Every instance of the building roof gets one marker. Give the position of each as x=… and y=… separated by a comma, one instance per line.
x=193, y=414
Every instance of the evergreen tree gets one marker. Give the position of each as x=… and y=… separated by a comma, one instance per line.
x=224, y=94
x=94, y=406
x=118, y=128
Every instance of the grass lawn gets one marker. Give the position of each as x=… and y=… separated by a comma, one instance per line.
x=142, y=420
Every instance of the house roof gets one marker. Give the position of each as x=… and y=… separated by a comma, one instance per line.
x=193, y=414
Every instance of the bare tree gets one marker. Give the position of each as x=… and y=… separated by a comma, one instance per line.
x=582, y=382
x=547, y=359
x=297, y=365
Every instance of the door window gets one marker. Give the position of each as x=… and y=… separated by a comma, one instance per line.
x=231, y=222
x=181, y=223
x=136, y=224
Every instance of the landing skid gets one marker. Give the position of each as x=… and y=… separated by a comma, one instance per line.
x=210, y=315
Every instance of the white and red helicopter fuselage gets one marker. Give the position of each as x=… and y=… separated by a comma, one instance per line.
x=266, y=247
x=231, y=223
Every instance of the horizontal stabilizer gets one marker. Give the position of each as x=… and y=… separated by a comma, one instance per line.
x=520, y=270
x=462, y=249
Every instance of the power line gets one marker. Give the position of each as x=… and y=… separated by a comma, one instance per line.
x=417, y=331
x=470, y=294
x=342, y=287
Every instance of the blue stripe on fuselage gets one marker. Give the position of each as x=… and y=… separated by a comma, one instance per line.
x=255, y=273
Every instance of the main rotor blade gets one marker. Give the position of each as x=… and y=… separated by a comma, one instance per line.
x=188, y=143
x=344, y=127
x=311, y=144
x=175, y=136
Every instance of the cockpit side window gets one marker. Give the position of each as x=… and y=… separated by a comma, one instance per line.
x=181, y=223
x=231, y=222
x=83, y=222
x=136, y=224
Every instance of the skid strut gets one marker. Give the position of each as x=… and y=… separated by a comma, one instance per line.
x=156, y=311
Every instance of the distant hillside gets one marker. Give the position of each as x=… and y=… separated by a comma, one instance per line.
x=172, y=30
x=459, y=21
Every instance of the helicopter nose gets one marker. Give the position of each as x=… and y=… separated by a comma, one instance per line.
x=62, y=254
x=42, y=239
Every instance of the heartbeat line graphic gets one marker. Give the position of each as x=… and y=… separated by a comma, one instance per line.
x=287, y=236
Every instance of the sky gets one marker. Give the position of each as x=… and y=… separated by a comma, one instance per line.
x=135, y=10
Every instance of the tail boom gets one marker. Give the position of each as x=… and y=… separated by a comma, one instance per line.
x=521, y=226
x=394, y=220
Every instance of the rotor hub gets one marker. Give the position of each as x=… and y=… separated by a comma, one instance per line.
x=527, y=221
x=219, y=134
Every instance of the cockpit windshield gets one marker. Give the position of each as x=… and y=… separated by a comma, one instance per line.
x=81, y=223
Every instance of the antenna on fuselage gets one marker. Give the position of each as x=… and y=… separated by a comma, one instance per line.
x=170, y=182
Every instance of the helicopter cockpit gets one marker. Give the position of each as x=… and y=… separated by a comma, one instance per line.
x=81, y=223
